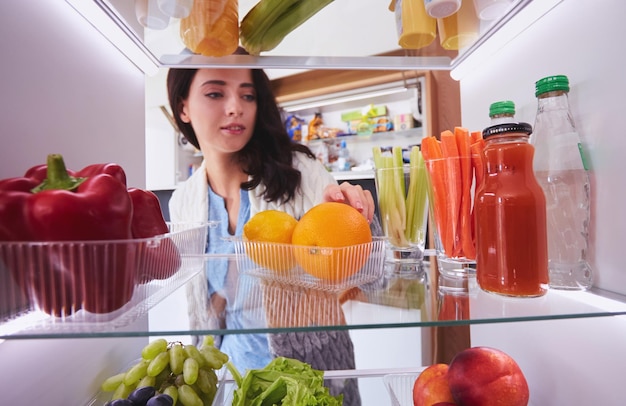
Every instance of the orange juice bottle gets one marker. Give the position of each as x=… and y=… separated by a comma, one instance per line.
x=212, y=27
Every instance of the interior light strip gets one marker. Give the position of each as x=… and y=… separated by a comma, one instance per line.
x=347, y=96
x=100, y=16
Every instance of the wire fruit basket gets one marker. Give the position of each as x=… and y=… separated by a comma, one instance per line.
x=331, y=269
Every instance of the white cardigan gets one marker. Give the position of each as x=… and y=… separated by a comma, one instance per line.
x=190, y=204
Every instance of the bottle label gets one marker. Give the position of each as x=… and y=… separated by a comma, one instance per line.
x=582, y=156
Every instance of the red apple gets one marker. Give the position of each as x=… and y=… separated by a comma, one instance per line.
x=431, y=386
x=483, y=376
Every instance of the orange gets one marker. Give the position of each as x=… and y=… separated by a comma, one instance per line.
x=332, y=226
x=267, y=238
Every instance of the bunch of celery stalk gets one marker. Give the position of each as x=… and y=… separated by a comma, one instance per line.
x=402, y=212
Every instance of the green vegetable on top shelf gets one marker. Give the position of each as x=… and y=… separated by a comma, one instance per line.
x=284, y=381
x=401, y=210
x=270, y=21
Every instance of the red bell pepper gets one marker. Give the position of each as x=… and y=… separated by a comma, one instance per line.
x=40, y=172
x=66, y=208
x=13, y=195
x=160, y=257
x=66, y=277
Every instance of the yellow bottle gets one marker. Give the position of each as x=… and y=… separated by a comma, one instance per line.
x=460, y=29
x=416, y=29
x=212, y=27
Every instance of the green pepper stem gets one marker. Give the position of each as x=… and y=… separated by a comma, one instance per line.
x=57, y=176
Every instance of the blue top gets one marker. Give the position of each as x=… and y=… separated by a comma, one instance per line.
x=246, y=351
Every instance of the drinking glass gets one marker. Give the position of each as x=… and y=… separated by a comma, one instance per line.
x=451, y=212
x=403, y=208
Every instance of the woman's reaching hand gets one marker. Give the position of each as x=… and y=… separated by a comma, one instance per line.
x=354, y=195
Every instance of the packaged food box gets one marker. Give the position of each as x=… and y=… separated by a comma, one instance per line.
x=402, y=122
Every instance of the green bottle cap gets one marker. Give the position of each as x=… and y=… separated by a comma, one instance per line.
x=551, y=83
x=502, y=107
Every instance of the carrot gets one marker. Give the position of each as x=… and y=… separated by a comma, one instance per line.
x=476, y=135
x=479, y=171
x=467, y=178
x=431, y=151
x=454, y=185
x=477, y=161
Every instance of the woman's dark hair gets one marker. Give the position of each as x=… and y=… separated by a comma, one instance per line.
x=268, y=156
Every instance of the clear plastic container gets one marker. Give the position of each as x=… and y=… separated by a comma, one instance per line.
x=400, y=388
x=332, y=269
x=97, y=285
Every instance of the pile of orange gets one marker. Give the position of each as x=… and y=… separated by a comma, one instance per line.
x=330, y=241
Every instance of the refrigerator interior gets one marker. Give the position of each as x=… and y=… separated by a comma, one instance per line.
x=66, y=89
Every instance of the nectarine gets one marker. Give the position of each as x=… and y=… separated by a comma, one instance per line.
x=483, y=376
x=431, y=386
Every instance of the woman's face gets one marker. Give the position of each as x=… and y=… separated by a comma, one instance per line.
x=221, y=108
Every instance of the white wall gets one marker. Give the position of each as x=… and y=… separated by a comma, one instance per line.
x=65, y=89
x=582, y=39
x=576, y=362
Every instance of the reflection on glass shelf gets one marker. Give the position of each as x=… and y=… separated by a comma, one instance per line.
x=412, y=300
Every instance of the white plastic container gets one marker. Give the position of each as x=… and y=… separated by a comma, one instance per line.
x=491, y=9
x=176, y=8
x=442, y=8
x=150, y=15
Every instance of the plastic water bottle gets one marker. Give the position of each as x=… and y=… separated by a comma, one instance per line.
x=561, y=171
x=343, y=157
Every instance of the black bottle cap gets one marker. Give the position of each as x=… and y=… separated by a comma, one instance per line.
x=507, y=128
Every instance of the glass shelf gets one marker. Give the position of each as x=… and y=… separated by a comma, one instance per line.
x=413, y=134
x=393, y=301
x=360, y=48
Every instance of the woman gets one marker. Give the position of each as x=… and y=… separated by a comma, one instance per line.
x=250, y=164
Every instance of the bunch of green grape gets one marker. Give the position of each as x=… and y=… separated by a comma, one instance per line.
x=184, y=372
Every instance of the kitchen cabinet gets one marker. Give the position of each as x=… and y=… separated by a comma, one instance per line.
x=559, y=341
